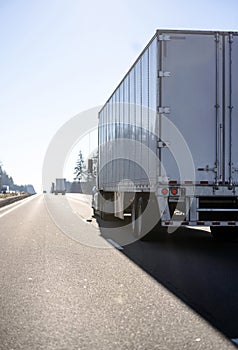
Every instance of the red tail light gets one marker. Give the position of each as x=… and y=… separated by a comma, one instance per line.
x=174, y=191
x=164, y=191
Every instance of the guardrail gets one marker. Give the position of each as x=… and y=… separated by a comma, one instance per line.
x=11, y=200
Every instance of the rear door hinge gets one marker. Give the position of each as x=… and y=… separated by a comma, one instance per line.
x=164, y=37
x=231, y=38
x=217, y=37
x=163, y=144
x=162, y=74
x=163, y=110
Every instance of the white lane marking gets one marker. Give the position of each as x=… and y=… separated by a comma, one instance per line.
x=235, y=340
x=115, y=244
x=22, y=202
x=8, y=206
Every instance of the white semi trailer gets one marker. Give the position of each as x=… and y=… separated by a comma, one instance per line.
x=60, y=186
x=168, y=136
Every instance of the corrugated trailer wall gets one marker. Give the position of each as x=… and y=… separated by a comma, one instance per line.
x=130, y=114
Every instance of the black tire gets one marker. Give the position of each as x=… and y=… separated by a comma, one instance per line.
x=137, y=217
x=141, y=224
x=106, y=216
x=134, y=216
x=224, y=234
x=103, y=215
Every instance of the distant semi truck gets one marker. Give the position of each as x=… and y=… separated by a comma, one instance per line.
x=60, y=186
x=5, y=189
x=52, y=189
x=168, y=145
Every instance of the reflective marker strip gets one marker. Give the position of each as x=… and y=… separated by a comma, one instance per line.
x=115, y=244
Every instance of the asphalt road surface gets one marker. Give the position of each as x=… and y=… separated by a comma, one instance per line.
x=65, y=286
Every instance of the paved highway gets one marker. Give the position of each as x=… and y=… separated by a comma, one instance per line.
x=64, y=286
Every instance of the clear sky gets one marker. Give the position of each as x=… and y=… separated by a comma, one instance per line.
x=61, y=57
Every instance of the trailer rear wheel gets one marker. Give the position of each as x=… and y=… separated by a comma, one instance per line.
x=140, y=227
x=133, y=216
x=105, y=216
x=137, y=219
x=141, y=221
x=224, y=234
x=156, y=232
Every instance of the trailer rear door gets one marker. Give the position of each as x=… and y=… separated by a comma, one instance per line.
x=231, y=108
x=190, y=96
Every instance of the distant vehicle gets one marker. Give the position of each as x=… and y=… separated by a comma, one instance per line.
x=44, y=191
x=60, y=186
x=52, y=190
x=168, y=145
x=5, y=189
